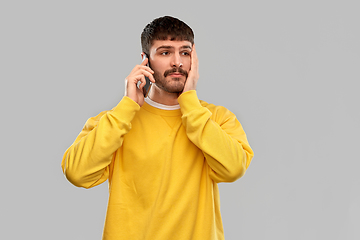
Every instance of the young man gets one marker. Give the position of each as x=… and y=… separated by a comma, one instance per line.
x=164, y=154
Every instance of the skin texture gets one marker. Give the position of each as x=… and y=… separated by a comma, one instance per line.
x=174, y=70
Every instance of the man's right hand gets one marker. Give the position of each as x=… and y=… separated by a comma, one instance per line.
x=132, y=90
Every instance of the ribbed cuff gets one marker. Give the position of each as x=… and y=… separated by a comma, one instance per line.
x=189, y=101
x=126, y=109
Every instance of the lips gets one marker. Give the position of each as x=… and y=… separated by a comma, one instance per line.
x=176, y=74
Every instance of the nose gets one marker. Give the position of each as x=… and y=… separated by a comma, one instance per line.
x=176, y=60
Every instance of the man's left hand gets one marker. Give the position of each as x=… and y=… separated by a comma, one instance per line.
x=193, y=75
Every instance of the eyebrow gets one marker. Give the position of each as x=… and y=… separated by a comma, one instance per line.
x=171, y=47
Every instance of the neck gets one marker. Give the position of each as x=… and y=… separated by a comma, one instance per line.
x=160, y=96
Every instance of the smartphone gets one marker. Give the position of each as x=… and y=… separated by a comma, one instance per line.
x=147, y=86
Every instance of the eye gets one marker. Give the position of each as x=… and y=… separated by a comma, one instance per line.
x=185, y=53
x=164, y=53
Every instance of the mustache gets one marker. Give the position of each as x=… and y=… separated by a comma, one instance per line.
x=179, y=70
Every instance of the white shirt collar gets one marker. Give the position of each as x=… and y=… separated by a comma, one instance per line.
x=161, y=106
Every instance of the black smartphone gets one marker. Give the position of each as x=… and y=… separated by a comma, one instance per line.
x=147, y=86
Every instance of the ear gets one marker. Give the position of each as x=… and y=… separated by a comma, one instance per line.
x=143, y=56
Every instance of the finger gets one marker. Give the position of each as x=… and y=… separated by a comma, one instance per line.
x=151, y=78
x=140, y=78
x=194, y=58
x=134, y=79
x=148, y=69
x=143, y=63
x=149, y=75
x=142, y=82
x=141, y=72
x=193, y=50
x=141, y=68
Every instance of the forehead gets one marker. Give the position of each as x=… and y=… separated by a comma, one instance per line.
x=169, y=43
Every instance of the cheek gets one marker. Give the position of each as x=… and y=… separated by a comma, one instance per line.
x=158, y=67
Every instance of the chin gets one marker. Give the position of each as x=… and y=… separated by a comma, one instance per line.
x=174, y=89
x=171, y=84
x=170, y=88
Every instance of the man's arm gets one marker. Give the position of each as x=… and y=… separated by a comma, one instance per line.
x=219, y=135
x=85, y=163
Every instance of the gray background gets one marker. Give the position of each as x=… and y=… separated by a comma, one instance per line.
x=289, y=71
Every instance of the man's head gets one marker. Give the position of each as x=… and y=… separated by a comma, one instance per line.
x=165, y=28
x=168, y=43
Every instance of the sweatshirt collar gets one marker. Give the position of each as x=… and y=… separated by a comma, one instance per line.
x=161, y=106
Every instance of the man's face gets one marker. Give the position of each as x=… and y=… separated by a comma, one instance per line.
x=171, y=62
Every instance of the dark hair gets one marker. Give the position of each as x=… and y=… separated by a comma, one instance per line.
x=164, y=28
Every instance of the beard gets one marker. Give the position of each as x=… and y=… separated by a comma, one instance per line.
x=170, y=85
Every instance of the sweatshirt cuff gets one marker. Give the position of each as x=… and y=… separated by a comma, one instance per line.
x=126, y=109
x=189, y=101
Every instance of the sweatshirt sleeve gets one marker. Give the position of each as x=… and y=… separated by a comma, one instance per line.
x=219, y=135
x=86, y=162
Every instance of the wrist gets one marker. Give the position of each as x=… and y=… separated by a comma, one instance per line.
x=189, y=101
x=189, y=87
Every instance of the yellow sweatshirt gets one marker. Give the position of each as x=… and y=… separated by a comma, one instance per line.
x=163, y=167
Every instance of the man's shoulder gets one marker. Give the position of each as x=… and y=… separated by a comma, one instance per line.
x=211, y=106
x=93, y=121
x=216, y=109
x=97, y=117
